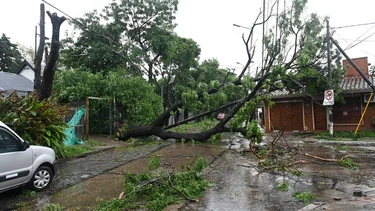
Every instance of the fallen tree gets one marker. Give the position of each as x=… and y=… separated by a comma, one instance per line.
x=292, y=57
x=291, y=47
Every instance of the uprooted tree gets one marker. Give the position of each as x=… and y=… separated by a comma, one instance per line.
x=292, y=47
x=139, y=36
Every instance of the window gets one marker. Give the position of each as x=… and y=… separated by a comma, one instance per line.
x=8, y=143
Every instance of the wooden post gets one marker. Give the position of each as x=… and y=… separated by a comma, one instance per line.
x=87, y=118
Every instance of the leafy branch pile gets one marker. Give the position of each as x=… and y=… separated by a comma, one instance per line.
x=158, y=188
x=279, y=155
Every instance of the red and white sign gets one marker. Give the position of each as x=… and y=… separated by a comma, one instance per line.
x=329, y=97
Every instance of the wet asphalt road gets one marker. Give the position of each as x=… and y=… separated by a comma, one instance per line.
x=74, y=171
x=238, y=183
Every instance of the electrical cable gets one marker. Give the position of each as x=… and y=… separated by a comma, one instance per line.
x=352, y=44
x=361, y=41
x=354, y=25
x=346, y=40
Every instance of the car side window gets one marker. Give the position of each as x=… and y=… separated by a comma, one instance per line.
x=8, y=143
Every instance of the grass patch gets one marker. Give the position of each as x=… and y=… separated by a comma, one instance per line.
x=297, y=173
x=77, y=150
x=88, y=146
x=158, y=188
x=283, y=186
x=94, y=143
x=348, y=163
x=343, y=147
x=28, y=193
x=52, y=207
x=306, y=197
x=337, y=135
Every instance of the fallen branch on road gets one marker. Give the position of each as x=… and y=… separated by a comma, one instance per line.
x=326, y=159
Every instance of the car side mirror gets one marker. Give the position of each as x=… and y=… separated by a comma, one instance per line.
x=26, y=145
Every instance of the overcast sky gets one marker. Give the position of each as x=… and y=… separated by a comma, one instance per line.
x=208, y=22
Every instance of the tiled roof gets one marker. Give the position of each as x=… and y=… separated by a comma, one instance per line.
x=356, y=84
x=14, y=82
x=348, y=85
x=284, y=93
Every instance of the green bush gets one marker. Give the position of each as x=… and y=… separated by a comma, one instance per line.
x=135, y=98
x=39, y=122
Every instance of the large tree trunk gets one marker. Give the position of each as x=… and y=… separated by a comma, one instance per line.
x=50, y=68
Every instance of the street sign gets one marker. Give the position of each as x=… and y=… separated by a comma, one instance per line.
x=328, y=97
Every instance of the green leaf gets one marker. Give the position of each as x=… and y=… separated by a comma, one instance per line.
x=33, y=113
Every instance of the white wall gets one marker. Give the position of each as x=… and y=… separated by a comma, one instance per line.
x=28, y=73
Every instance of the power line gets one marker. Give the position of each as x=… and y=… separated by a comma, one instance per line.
x=360, y=49
x=82, y=25
x=347, y=40
x=351, y=45
x=361, y=41
x=354, y=25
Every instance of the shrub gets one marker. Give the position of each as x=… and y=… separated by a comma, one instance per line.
x=39, y=122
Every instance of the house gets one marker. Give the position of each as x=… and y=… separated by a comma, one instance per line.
x=294, y=112
x=10, y=82
x=26, y=69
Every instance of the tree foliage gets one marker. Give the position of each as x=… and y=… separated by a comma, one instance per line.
x=141, y=33
x=160, y=187
x=27, y=52
x=139, y=103
x=309, y=74
x=10, y=57
x=127, y=34
x=39, y=122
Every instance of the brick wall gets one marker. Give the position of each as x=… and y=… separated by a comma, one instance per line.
x=362, y=63
x=366, y=124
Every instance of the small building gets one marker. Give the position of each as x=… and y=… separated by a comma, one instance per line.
x=26, y=69
x=295, y=112
x=11, y=82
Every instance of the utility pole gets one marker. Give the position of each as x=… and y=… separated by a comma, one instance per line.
x=264, y=19
x=35, y=46
x=330, y=110
x=353, y=64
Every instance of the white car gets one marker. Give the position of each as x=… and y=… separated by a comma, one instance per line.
x=22, y=164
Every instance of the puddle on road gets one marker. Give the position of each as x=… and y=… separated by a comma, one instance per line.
x=240, y=186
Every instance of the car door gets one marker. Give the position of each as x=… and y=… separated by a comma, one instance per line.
x=15, y=162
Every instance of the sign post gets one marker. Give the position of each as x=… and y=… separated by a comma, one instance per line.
x=328, y=98
x=329, y=101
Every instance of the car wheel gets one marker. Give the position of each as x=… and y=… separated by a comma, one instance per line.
x=41, y=179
